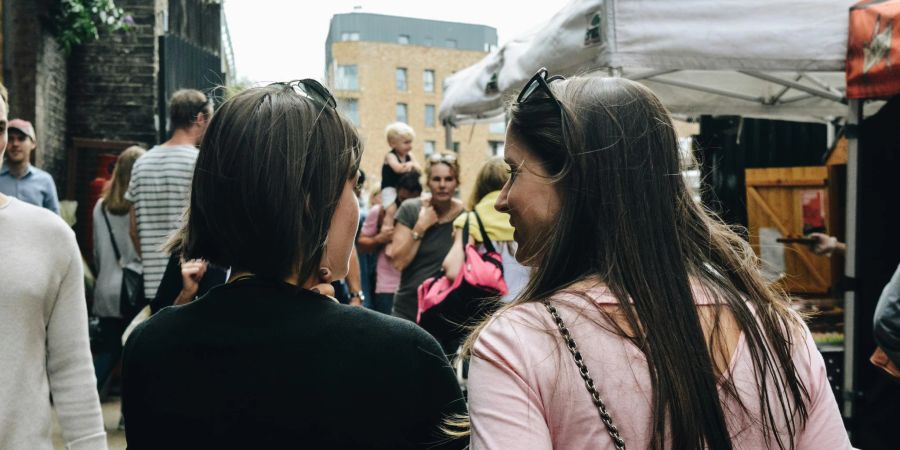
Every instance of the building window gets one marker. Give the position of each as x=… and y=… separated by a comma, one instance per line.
x=497, y=148
x=428, y=80
x=497, y=127
x=350, y=36
x=456, y=146
x=403, y=39
x=429, y=116
x=401, y=78
x=402, y=113
x=451, y=43
x=430, y=147
x=346, y=78
x=350, y=108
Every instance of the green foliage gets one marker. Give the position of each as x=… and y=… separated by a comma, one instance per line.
x=76, y=22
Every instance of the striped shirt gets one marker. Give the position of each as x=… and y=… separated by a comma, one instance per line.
x=159, y=188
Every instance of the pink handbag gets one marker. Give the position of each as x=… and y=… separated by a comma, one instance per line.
x=446, y=307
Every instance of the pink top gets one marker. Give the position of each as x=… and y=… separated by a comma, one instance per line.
x=525, y=391
x=387, y=279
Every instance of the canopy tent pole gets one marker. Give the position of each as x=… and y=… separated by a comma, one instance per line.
x=854, y=119
x=708, y=90
x=649, y=74
x=795, y=85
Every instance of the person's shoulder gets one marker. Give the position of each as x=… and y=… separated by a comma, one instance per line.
x=390, y=331
x=41, y=174
x=411, y=203
x=42, y=221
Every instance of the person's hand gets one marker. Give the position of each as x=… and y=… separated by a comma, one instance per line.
x=192, y=272
x=427, y=216
x=385, y=235
x=824, y=245
x=881, y=359
x=356, y=301
x=324, y=286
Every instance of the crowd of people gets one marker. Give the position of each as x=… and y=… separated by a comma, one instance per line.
x=280, y=314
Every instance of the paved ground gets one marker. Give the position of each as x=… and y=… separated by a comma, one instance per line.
x=115, y=438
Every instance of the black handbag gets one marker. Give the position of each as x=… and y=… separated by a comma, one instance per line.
x=131, y=297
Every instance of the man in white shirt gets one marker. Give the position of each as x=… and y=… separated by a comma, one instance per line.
x=45, y=349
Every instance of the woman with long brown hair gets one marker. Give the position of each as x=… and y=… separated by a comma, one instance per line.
x=646, y=322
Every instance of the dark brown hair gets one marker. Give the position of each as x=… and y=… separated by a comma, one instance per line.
x=618, y=173
x=271, y=169
x=185, y=106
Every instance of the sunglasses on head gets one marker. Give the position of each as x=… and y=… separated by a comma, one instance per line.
x=442, y=158
x=539, y=87
x=313, y=90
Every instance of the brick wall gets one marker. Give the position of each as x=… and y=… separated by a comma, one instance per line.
x=378, y=97
x=35, y=76
x=113, y=81
x=50, y=108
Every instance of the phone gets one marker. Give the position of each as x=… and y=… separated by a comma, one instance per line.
x=805, y=241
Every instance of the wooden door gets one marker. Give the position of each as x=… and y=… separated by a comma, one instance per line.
x=790, y=203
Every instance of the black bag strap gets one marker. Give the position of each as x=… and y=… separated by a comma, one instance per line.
x=112, y=237
x=465, y=238
x=486, y=240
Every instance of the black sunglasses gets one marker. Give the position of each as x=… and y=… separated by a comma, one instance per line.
x=313, y=90
x=539, y=83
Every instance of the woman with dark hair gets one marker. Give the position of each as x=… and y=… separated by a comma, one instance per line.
x=646, y=321
x=266, y=360
x=423, y=233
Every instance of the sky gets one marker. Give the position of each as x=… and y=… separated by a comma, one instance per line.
x=278, y=40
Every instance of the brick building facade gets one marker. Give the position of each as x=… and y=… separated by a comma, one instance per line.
x=109, y=93
x=378, y=66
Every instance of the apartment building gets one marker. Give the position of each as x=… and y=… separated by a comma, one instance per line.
x=384, y=69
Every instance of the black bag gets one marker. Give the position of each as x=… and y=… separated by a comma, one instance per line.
x=131, y=298
x=473, y=295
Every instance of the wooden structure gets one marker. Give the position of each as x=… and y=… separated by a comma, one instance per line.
x=791, y=203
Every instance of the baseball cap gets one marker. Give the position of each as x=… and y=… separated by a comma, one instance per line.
x=22, y=125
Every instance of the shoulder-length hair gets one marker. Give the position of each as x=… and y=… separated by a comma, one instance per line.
x=271, y=169
x=493, y=175
x=114, y=193
x=627, y=218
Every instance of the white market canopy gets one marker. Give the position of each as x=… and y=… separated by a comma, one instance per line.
x=766, y=58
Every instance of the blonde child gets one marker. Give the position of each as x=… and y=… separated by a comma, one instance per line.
x=398, y=161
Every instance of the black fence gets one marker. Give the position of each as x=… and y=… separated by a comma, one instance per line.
x=184, y=65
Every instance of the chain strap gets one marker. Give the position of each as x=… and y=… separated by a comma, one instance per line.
x=586, y=376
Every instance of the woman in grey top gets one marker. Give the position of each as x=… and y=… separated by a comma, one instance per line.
x=109, y=277
x=423, y=233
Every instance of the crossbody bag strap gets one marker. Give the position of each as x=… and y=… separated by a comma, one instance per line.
x=465, y=237
x=486, y=240
x=112, y=237
x=586, y=376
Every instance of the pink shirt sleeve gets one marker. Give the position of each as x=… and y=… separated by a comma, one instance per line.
x=824, y=427
x=370, y=225
x=505, y=411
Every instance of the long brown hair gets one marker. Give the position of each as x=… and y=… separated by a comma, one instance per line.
x=617, y=170
x=114, y=193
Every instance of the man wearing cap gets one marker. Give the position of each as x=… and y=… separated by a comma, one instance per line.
x=18, y=178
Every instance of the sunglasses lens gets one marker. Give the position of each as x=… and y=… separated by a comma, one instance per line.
x=532, y=87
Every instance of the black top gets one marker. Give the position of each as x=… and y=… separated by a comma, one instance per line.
x=256, y=364
x=389, y=178
x=172, y=283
